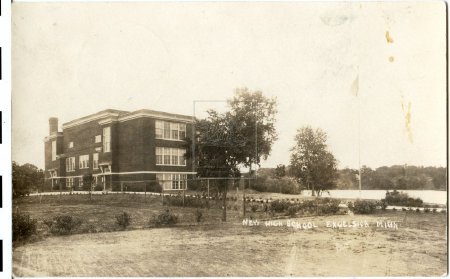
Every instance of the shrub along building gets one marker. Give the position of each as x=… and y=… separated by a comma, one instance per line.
x=120, y=149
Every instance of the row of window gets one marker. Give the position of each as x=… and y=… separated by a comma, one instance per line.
x=170, y=156
x=164, y=156
x=83, y=162
x=169, y=181
x=98, y=138
x=164, y=130
x=174, y=181
x=169, y=130
x=71, y=181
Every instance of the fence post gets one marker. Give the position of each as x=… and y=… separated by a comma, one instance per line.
x=121, y=187
x=243, y=198
x=208, y=186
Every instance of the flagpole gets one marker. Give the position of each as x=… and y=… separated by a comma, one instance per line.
x=355, y=91
x=359, y=143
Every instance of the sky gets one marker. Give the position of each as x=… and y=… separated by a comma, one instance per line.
x=371, y=75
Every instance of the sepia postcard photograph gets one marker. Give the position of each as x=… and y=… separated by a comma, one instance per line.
x=229, y=139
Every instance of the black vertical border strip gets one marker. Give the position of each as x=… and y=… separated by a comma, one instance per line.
x=446, y=104
x=1, y=255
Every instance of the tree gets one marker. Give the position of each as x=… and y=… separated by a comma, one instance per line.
x=88, y=181
x=280, y=171
x=238, y=137
x=312, y=164
x=347, y=179
x=26, y=178
x=214, y=145
x=252, y=119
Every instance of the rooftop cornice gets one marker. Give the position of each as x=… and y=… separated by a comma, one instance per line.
x=93, y=117
x=109, y=116
x=157, y=115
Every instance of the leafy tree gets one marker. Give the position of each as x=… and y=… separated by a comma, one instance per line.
x=399, y=177
x=252, y=119
x=367, y=177
x=312, y=164
x=214, y=151
x=239, y=137
x=347, y=179
x=26, y=178
x=280, y=171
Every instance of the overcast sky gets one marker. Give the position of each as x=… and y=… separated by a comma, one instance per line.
x=325, y=63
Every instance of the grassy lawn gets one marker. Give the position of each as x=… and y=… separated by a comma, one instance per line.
x=212, y=248
x=98, y=214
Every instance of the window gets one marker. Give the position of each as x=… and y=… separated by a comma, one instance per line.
x=84, y=162
x=166, y=156
x=95, y=161
x=172, y=181
x=182, y=130
x=70, y=164
x=107, y=139
x=170, y=156
x=175, y=181
x=53, y=150
x=181, y=160
x=69, y=182
x=174, y=154
x=166, y=130
x=159, y=156
x=169, y=130
x=98, y=138
x=80, y=182
x=174, y=130
x=70, y=144
x=164, y=180
x=159, y=129
x=183, y=181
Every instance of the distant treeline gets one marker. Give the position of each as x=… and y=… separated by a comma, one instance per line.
x=394, y=177
x=382, y=178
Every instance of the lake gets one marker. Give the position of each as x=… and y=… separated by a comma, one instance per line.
x=428, y=196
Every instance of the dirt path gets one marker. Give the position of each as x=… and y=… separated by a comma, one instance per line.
x=235, y=250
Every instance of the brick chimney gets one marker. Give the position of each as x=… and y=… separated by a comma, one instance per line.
x=53, y=124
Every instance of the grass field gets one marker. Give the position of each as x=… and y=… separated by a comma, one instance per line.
x=212, y=248
x=98, y=214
